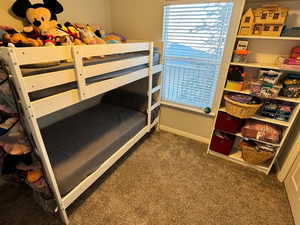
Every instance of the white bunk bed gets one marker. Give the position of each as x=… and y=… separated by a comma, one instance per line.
x=84, y=80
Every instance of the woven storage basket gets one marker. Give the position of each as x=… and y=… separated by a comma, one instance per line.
x=240, y=110
x=251, y=155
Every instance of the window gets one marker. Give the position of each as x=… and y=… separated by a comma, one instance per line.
x=264, y=16
x=267, y=28
x=276, y=16
x=247, y=19
x=194, y=36
x=276, y=27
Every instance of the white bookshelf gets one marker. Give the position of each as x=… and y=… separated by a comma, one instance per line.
x=264, y=52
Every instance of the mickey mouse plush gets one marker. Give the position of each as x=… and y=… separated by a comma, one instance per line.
x=41, y=16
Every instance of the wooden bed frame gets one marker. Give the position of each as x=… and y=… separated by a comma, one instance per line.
x=16, y=57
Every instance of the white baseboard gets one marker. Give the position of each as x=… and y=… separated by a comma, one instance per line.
x=184, y=134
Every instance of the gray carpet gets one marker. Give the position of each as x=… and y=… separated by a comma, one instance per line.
x=164, y=180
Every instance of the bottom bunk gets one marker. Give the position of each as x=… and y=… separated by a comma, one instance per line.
x=78, y=145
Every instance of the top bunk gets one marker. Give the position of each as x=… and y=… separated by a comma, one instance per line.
x=52, y=78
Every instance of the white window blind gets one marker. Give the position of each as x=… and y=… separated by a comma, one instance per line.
x=194, y=36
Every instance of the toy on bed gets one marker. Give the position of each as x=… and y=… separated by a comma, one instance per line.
x=109, y=38
x=73, y=36
x=42, y=18
x=87, y=35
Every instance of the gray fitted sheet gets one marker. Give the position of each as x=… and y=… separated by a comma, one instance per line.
x=78, y=145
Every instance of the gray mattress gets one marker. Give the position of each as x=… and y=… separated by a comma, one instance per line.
x=78, y=145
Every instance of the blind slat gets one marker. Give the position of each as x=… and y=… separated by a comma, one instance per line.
x=194, y=37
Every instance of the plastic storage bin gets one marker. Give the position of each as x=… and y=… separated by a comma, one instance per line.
x=228, y=123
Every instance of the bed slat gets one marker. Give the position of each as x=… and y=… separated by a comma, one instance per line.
x=42, y=54
x=54, y=103
x=91, y=71
x=107, y=85
x=47, y=80
x=110, y=49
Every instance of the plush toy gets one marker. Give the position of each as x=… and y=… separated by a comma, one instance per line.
x=21, y=40
x=88, y=36
x=41, y=16
x=74, y=35
x=114, y=37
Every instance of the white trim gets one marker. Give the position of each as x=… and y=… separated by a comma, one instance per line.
x=187, y=108
x=9, y=55
x=237, y=11
x=150, y=84
x=109, y=67
x=184, y=134
x=79, y=189
x=37, y=82
x=35, y=55
x=45, y=106
x=108, y=85
x=110, y=49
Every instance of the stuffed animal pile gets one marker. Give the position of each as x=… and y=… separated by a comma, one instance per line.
x=43, y=29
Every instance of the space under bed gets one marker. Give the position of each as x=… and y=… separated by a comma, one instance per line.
x=78, y=144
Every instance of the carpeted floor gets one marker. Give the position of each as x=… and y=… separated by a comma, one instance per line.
x=164, y=180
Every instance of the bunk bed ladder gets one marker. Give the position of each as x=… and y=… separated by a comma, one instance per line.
x=14, y=68
x=150, y=85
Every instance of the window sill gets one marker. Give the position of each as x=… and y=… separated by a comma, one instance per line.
x=188, y=108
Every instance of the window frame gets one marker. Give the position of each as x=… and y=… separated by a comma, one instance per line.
x=237, y=10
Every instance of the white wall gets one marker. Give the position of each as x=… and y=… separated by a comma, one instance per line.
x=143, y=20
x=87, y=11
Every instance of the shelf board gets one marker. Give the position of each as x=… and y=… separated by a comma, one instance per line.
x=252, y=139
x=263, y=66
x=256, y=65
x=248, y=92
x=237, y=158
x=264, y=119
x=270, y=38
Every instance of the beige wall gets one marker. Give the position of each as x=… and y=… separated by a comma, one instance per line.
x=87, y=11
x=143, y=20
x=138, y=19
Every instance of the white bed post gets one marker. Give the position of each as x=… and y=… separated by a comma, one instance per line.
x=76, y=51
x=151, y=45
x=16, y=74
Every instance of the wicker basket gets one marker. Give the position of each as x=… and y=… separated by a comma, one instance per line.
x=240, y=110
x=251, y=155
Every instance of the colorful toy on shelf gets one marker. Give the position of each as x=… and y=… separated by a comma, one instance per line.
x=265, y=90
x=267, y=85
x=293, y=62
x=266, y=21
x=236, y=79
x=277, y=110
x=41, y=16
x=291, y=86
x=269, y=76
